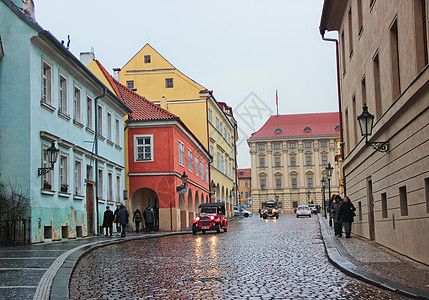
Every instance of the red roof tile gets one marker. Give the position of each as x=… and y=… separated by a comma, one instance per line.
x=246, y=173
x=301, y=125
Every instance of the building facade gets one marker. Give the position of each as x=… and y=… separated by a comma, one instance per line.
x=289, y=155
x=383, y=64
x=245, y=187
x=49, y=98
x=150, y=75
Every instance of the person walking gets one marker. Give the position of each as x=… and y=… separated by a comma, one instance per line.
x=137, y=218
x=108, y=220
x=117, y=221
x=149, y=218
x=329, y=209
x=123, y=215
x=346, y=215
x=338, y=226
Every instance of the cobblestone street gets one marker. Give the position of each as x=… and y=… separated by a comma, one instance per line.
x=255, y=259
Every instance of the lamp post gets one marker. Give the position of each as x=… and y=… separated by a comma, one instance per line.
x=308, y=197
x=213, y=193
x=329, y=169
x=366, y=121
x=323, y=196
x=52, y=159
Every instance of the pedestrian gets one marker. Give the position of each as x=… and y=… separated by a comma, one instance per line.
x=335, y=210
x=117, y=221
x=329, y=209
x=137, y=218
x=108, y=220
x=123, y=215
x=346, y=214
x=149, y=218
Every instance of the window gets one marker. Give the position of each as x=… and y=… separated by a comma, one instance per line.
x=292, y=145
x=308, y=160
x=47, y=179
x=324, y=160
x=262, y=184
x=130, y=84
x=118, y=137
x=118, y=188
x=427, y=194
x=218, y=161
x=190, y=160
x=310, y=182
x=202, y=169
x=293, y=161
x=230, y=170
x=239, y=183
x=394, y=56
x=89, y=172
x=323, y=144
x=76, y=104
x=277, y=161
x=403, y=201
x=246, y=195
x=307, y=144
x=169, y=82
x=246, y=183
x=294, y=186
x=110, y=186
x=64, y=186
x=241, y=173
x=421, y=34
x=46, y=83
x=276, y=146
x=147, y=59
x=89, y=112
x=62, y=102
x=78, y=177
x=377, y=87
x=261, y=146
x=262, y=162
x=207, y=174
x=221, y=164
x=196, y=166
x=343, y=53
x=229, y=138
x=181, y=153
x=220, y=127
x=383, y=205
x=212, y=154
x=278, y=183
x=210, y=116
x=360, y=210
x=224, y=133
x=350, y=32
x=109, y=126
x=353, y=126
x=217, y=123
x=363, y=90
x=100, y=120
x=100, y=183
x=359, y=13
x=143, y=148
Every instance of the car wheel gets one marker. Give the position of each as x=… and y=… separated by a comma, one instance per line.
x=218, y=228
x=194, y=232
x=225, y=229
x=310, y=216
x=246, y=215
x=204, y=232
x=297, y=216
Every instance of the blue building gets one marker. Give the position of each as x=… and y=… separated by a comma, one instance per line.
x=48, y=97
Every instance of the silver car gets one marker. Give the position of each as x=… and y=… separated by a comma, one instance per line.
x=303, y=210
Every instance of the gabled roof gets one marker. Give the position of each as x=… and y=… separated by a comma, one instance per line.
x=143, y=109
x=320, y=124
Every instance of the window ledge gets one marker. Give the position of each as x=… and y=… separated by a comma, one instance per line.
x=63, y=116
x=78, y=124
x=78, y=197
x=47, y=106
x=47, y=192
x=110, y=143
x=90, y=131
x=119, y=148
x=64, y=195
x=101, y=138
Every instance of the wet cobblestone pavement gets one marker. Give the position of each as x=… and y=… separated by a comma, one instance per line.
x=255, y=259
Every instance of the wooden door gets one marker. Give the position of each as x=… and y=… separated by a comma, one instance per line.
x=370, y=204
x=90, y=207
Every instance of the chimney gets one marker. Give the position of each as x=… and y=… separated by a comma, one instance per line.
x=87, y=57
x=116, y=73
x=28, y=7
x=164, y=103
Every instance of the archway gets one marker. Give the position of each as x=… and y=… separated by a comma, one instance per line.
x=143, y=198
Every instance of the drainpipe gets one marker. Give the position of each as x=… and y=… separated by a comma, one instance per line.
x=340, y=109
x=96, y=157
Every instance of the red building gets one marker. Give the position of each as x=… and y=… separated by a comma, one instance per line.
x=245, y=186
x=159, y=150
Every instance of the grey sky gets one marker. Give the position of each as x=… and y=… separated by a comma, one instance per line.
x=234, y=47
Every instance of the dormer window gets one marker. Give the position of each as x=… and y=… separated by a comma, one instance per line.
x=337, y=127
x=278, y=130
x=147, y=59
x=307, y=128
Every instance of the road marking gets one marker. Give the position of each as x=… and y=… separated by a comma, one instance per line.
x=18, y=287
x=33, y=257
x=17, y=269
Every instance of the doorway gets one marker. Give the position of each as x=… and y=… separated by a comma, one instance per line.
x=370, y=203
x=143, y=198
x=90, y=207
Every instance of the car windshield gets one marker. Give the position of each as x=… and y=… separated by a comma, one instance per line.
x=303, y=207
x=208, y=210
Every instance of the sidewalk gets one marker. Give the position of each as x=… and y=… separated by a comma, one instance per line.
x=42, y=271
x=375, y=264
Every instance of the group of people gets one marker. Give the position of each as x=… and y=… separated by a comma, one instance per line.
x=121, y=218
x=341, y=213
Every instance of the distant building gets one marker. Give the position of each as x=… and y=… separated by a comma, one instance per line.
x=48, y=97
x=150, y=75
x=289, y=155
x=244, y=187
x=383, y=62
x=155, y=145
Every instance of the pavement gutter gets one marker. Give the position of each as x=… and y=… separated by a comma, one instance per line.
x=351, y=269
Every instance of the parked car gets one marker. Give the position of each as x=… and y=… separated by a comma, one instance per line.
x=211, y=217
x=303, y=210
x=238, y=212
x=313, y=208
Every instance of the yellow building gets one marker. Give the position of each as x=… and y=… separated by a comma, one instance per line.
x=149, y=74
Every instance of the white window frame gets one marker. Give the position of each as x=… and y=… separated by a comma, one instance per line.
x=207, y=174
x=109, y=186
x=89, y=110
x=217, y=123
x=196, y=166
x=50, y=176
x=210, y=115
x=64, y=171
x=181, y=153
x=190, y=161
x=118, y=188
x=202, y=169
x=136, y=145
x=100, y=120
x=118, y=132
x=109, y=125
x=100, y=171
x=62, y=94
x=46, y=93
x=77, y=110
x=78, y=177
x=218, y=161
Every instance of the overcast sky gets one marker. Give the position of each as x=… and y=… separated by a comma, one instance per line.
x=243, y=50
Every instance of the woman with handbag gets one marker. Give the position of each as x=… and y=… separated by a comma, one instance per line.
x=346, y=214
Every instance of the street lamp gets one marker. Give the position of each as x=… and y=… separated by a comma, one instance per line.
x=323, y=195
x=329, y=169
x=366, y=121
x=181, y=189
x=52, y=159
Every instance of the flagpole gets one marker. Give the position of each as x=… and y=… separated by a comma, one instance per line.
x=277, y=103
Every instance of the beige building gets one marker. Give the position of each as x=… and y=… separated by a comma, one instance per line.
x=383, y=59
x=289, y=156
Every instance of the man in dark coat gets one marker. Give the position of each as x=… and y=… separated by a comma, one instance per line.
x=108, y=220
x=335, y=210
x=123, y=215
x=346, y=214
x=149, y=218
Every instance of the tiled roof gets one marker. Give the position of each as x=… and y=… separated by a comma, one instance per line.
x=143, y=109
x=246, y=172
x=300, y=125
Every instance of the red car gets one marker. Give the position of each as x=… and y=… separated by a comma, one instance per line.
x=211, y=217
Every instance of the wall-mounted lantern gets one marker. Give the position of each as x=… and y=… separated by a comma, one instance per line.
x=52, y=159
x=366, y=121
